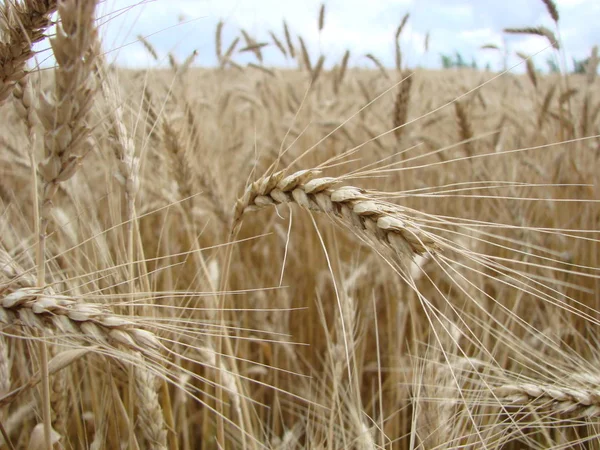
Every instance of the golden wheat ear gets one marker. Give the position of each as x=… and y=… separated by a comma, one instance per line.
x=389, y=227
x=23, y=24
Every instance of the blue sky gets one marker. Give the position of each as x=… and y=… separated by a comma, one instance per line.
x=182, y=26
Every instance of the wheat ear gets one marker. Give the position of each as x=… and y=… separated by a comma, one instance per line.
x=538, y=31
x=552, y=9
x=288, y=40
x=464, y=126
x=384, y=224
x=584, y=402
x=63, y=114
x=24, y=24
x=401, y=105
x=34, y=308
x=151, y=422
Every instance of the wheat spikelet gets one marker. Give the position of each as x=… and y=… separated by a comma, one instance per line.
x=401, y=105
x=23, y=24
x=24, y=104
x=381, y=223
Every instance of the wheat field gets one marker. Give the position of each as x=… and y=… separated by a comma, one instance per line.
x=326, y=257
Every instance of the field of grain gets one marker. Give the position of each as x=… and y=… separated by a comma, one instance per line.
x=250, y=257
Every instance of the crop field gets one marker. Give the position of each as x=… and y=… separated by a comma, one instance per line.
x=323, y=257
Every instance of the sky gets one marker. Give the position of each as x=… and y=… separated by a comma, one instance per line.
x=184, y=26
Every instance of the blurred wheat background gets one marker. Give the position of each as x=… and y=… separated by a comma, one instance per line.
x=325, y=257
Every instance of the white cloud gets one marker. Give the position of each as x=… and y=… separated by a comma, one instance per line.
x=455, y=26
